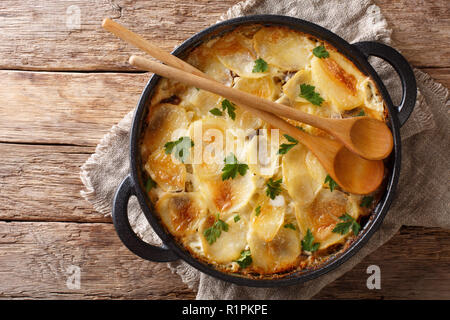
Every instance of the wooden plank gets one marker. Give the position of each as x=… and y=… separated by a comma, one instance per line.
x=421, y=30
x=42, y=183
x=43, y=37
x=415, y=264
x=441, y=75
x=34, y=258
x=68, y=108
x=76, y=108
x=46, y=37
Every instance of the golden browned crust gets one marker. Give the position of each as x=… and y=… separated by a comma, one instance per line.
x=220, y=195
x=346, y=79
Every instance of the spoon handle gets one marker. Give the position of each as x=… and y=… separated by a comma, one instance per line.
x=146, y=46
x=128, y=36
x=169, y=59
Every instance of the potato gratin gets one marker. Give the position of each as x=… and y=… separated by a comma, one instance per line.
x=231, y=189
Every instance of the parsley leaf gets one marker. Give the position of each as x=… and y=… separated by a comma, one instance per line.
x=216, y=112
x=260, y=66
x=308, y=242
x=212, y=233
x=257, y=210
x=232, y=167
x=285, y=147
x=300, y=128
x=273, y=188
x=331, y=182
x=245, y=259
x=180, y=147
x=290, y=139
x=344, y=227
x=307, y=92
x=150, y=184
x=289, y=226
x=366, y=201
x=237, y=218
x=320, y=52
x=361, y=114
x=229, y=106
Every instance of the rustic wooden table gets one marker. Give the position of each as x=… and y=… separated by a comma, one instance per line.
x=63, y=87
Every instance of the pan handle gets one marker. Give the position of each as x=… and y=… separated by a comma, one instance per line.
x=404, y=70
x=126, y=233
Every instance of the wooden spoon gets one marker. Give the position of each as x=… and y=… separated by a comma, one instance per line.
x=365, y=136
x=363, y=176
x=353, y=173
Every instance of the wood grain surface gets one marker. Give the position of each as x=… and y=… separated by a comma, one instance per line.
x=110, y=271
x=40, y=37
x=61, y=90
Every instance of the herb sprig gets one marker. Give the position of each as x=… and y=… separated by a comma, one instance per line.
x=273, y=188
x=308, y=92
x=260, y=66
x=212, y=233
x=216, y=112
x=308, y=243
x=333, y=184
x=229, y=107
x=150, y=184
x=233, y=167
x=348, y=222
x=290, y=226
x=245, y=259
x=285, y=147
x=321, y=52
x=180, y=147
x=360, y=114
x=366, y=201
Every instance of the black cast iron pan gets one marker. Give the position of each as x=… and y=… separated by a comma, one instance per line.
x=358, y=53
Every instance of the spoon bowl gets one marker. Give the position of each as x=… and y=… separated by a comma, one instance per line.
x=349, y=169
x=371, y=137
x=368, y=137
x=351, y=172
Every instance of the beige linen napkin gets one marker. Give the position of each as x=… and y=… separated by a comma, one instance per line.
x=422, y=195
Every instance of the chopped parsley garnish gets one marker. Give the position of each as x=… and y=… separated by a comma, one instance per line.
x=300, y=128
x=308, y=242
x=260, y=66
x=232, y=167
x=212, y=233
x=245, y=259
x=273, y=188
x=289, y=226
x=331, y=182
x=321, y=52
x=216, y=112
x=348, y=222
x=361, y=114
x=150, y=184
x=366, y=201
x=285, y=147
x=307, y=92
x=180, y=147
x=237, y=218
x=229, y=106
x=257, y=210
